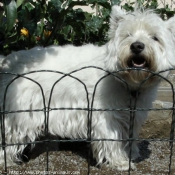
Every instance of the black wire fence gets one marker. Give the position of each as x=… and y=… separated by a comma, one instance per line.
x=132, y=109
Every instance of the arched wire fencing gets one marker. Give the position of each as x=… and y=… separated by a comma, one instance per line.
x=90, y=109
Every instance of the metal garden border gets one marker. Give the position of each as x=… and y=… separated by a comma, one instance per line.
x=46, y=109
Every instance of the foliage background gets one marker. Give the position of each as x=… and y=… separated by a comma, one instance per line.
x=27, y=23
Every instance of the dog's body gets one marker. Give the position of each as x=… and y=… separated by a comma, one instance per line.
x=124, y=50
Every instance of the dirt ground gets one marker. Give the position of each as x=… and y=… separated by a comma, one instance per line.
x=72, y=158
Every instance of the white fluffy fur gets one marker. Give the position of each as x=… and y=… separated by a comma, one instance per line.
x=111, y=92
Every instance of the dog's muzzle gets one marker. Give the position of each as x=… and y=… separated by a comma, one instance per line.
x=137, y=60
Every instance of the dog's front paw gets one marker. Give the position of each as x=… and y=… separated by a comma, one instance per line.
x=124, y=166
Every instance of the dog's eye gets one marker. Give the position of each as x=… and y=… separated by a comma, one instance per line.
x=155, y=38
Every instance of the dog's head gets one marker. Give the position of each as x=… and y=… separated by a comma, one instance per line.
x=140, y=40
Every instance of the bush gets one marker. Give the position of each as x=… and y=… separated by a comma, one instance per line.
x=27, y=23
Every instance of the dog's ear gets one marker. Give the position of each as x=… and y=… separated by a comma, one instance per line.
x=170, y=24
x=117, y=14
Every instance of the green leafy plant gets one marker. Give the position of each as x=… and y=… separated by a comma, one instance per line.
x=27, y=23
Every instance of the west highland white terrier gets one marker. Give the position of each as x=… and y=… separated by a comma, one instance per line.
x=107, y=77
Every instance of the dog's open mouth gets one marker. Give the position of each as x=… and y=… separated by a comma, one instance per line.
x=137, y=62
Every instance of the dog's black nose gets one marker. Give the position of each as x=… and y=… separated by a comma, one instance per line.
x=137, y=47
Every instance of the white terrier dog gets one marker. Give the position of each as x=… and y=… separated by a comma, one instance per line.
x=137, y=40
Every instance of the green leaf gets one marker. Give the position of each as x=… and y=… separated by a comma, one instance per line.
x=29, y=7
x=128, y=7
x=76, y=3
x=19, y=2
x=56, y=4
x=11, y=13
x=31, y=26
x=115, y=2
x=66, y=3
x=102, y=3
